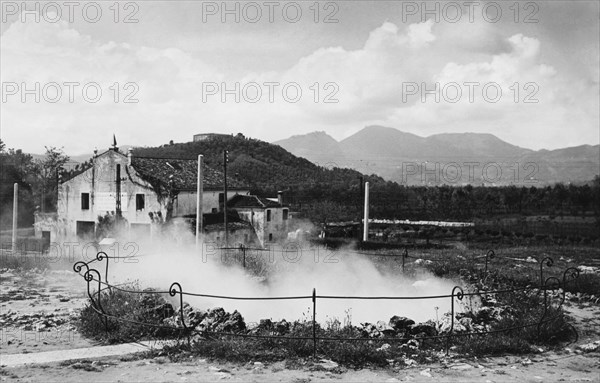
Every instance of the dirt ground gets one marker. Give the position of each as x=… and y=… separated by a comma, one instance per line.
x=38, y=308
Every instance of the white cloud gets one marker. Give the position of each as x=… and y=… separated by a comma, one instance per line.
x=368, y=80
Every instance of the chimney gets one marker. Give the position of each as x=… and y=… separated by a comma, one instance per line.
x=280, y=197
x=129, y=156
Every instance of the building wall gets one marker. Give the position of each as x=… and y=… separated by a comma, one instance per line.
x=208, y=136
x=257, y=217
x=100, y=183
x=186, y=201
x=277, y=226
x=235, y=237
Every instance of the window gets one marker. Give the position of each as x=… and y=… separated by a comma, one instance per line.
x=140, y=202
x=285, y=214
x=270, y=237
x=268, y=215
x=221, y=198
x=85, y=201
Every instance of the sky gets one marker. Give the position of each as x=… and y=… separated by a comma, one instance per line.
x=155, y=71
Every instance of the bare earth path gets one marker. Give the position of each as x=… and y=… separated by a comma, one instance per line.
x=568, y=367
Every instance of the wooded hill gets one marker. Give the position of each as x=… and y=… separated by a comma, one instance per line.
x=334, y=194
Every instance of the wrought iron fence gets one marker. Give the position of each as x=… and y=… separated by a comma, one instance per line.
x=553, y=284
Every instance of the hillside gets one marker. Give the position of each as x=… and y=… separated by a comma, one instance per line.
x=264, y=166
x=390, y=153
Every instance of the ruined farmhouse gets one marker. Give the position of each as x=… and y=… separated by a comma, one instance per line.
x=146, y=192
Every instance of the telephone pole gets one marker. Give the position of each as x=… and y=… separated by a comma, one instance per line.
x=225, y=158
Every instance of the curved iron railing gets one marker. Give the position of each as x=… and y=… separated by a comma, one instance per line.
x=91, y=275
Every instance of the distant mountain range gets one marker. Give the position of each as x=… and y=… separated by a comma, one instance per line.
x=448, y=158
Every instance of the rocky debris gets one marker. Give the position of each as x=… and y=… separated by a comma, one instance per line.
x=231, y=323
x=282, y=327
x=22, y=294
x=588, y=269
x=582, y=297
x=423, y=329
x=369, y=330
x=426, y=372
x=384, y=347
x=423, y=262
x=327, y=364
x=461, y=366
x=214, y=320
x=446, y=325
x=412, y=344
x=268, y=327
x=590, y=347
x=385, y=328
x=37, y=321
x=400, y=323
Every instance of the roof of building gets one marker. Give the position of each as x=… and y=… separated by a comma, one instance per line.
x=231, y=226
x=241, y=201
x=184, y=172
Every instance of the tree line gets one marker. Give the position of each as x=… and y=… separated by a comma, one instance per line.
x=318, y=193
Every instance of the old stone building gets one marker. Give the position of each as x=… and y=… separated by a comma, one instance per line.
x=269, y=218
x=144, y=191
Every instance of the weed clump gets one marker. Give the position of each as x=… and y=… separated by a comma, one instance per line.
x=132, y=315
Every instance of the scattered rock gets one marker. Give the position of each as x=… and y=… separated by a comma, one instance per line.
x=426, y=329
x=327, y=364
x=400, y=323
x=462, y=366
x=589, y=347
x=526, y=362
x=426, y=372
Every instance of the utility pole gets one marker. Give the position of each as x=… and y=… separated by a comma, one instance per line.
x=366, y=216
x=118, y=207
x=225, y=158
x=14, y=221
x=199, y=192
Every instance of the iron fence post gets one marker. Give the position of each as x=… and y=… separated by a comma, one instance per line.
x=549, y=262
x=545, y=312
x=89, y=278
x=174, y=290
x=314, y=322
x=459, y=295
x=100, y=257
x=574, y=274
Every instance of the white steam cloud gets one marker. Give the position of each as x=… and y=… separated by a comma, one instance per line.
x=291, y=274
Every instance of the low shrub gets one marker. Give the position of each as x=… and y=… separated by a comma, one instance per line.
x=140, y=314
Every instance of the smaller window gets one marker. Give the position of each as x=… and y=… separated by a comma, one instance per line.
x=285, y=214
x=270, y=237
x=215, y=210
x=85, y=201
x=221, y=198
x=140, y=202
x=268, y=215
